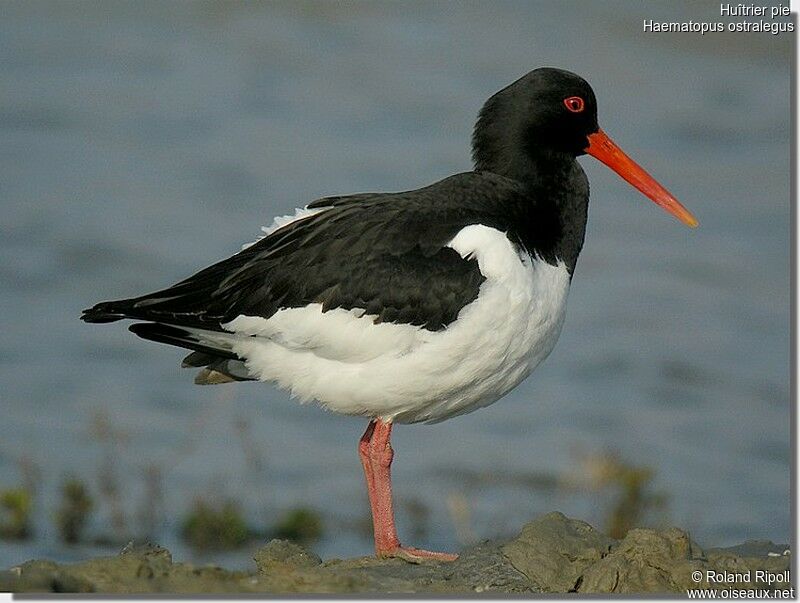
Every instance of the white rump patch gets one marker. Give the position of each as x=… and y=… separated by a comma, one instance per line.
x=281, y=221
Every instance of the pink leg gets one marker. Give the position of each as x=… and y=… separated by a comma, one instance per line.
x=376, y=454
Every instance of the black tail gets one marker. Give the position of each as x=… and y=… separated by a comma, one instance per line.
x=108, y=311
x=178, y=337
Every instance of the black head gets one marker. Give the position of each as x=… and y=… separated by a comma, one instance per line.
x=533, y=129
x=548, y=111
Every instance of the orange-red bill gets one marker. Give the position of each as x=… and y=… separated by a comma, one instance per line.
x=603, y=148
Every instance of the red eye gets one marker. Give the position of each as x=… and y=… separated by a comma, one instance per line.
x=574, y=104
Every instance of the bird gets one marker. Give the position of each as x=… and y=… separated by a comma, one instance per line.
x=414, y=306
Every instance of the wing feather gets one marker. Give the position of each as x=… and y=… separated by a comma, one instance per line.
x=384, y=253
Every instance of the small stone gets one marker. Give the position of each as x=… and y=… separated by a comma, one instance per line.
x=283, y=553
x=147, y=550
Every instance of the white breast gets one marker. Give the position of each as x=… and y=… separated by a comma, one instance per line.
x=351, y=365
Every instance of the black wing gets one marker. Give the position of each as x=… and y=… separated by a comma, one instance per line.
x=384, y=253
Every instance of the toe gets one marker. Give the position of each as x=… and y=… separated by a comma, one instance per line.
x=415, y=555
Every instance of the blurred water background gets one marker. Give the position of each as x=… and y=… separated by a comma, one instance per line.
x=142, y=141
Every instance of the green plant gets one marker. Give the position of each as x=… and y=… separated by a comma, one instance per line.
x=73, y=514
x=631, y=487
x=301, y=525
x=210, y=528
x=15, y=514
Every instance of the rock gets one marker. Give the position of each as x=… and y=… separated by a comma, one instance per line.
x=41, y=576
x=756, y=562
x=554, y=551
x=663, y=561
x=147, y=550
x=753, y=548
x=552, y=554
x=645, y=561
x=284, y=553
x=486, y=569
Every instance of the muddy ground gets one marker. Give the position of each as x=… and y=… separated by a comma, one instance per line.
x=552, y=554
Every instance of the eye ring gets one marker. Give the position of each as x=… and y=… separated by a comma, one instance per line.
x=574, y=104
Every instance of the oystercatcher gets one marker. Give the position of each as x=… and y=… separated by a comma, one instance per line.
x=414, y=306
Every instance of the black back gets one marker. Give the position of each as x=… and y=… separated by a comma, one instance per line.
x=386, y=253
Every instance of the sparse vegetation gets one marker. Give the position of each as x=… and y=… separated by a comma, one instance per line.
x=151, y=511
x=630, y=486
x=15, y=514
x=210, y=527
x=73, y=514
x=112, y=439
x=418, y=514
x=624, y=493
x=301, y=525
x=633, y=501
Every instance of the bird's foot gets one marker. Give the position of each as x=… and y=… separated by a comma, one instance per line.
x=415, y=555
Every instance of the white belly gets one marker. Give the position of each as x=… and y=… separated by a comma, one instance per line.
x=403, y=373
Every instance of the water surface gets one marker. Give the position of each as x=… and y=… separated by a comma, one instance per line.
x=145, y=140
